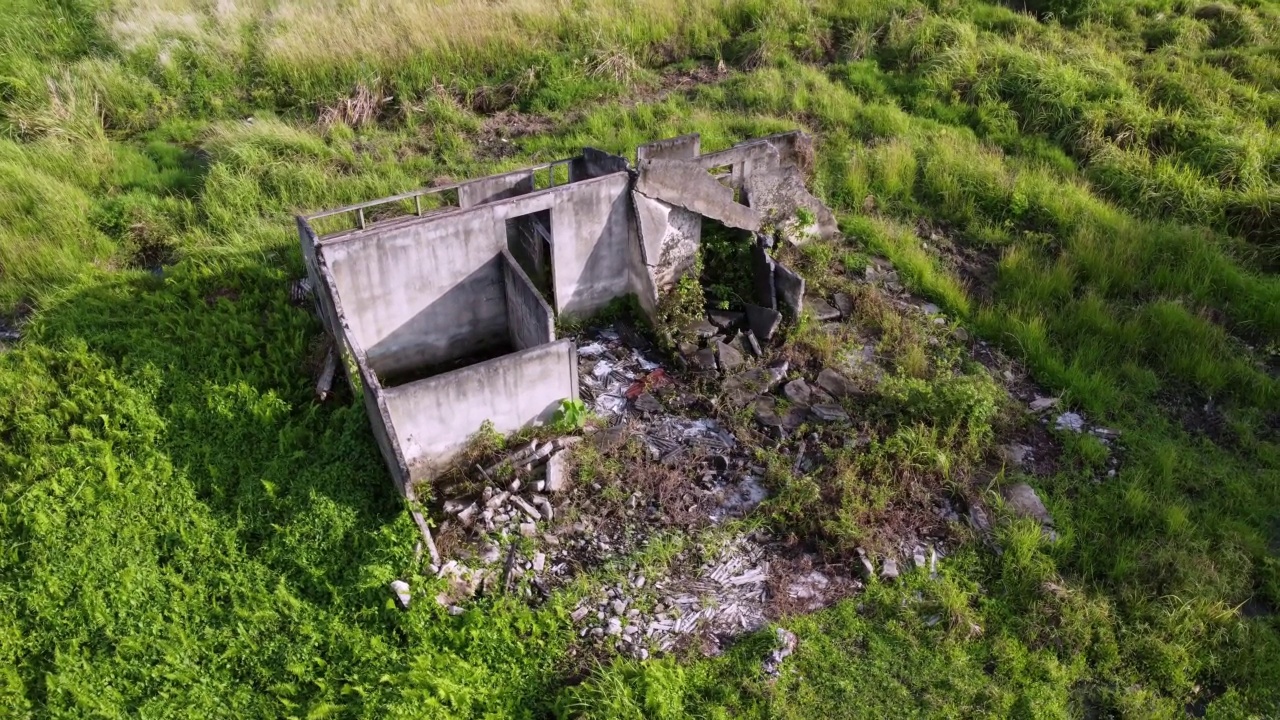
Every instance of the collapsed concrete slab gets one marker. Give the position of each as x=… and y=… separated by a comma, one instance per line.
x=444, y=316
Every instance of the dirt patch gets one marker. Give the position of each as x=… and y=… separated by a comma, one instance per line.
x=976, y=266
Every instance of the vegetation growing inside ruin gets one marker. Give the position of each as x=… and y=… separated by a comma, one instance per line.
x=1089, y=185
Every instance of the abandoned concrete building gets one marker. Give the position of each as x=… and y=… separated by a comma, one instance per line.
x=442, y=302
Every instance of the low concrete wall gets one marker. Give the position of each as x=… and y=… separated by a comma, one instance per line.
x=683, y=147
x=529, y=317
x=433, y=418
x=494, y=188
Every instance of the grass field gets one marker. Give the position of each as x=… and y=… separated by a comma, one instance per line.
x=185, y=533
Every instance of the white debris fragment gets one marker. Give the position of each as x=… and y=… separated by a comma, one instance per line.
x=590, y=350
x=786, y=646
x=401, y=590
x=539, y=561
x=1043, y=403
x=1070, y=421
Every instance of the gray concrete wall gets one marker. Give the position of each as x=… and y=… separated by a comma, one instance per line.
x=434, y=418
x=424, y=293
x=530, y=319
x=683, y=147
x=494, y=188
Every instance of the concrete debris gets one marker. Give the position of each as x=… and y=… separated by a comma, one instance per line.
x=400, y=589
x=1070, y=421
x=750, y=344
x=1016, y=454
x=836, y=384
x=797, y=391
x=557, y=472
x=786, y=646
x=889, y=570
x=324, y=385
x=763, y=275
x=917, y=557
x=702, y=329
x=731, y=359
x=724, y=319
x=528, y=529
x=829, y=413
x=868, y=569
x=763, y=321
x=1040, y=404
x=823, y=311
x=1023, y=501
x=844, y=304
x=790, y=288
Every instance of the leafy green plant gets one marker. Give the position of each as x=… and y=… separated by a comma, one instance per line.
x=570, y=416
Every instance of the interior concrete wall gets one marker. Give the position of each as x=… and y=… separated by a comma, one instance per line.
x=434, y=418
x=494, y=188
x=530, y=320
x=683, y=147
x=426, y=292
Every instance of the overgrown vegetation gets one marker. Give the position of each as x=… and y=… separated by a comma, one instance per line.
x=1090, y=185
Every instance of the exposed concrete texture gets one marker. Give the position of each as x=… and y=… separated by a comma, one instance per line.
x=790, y=287
x=425, y=293
x=689, y=186
x=497, y=187
x=595, y=163
x=683, y=147
x=529, y=318
x=670, y=238
x=433, y=418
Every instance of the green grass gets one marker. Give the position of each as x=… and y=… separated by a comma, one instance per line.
x=183, y=532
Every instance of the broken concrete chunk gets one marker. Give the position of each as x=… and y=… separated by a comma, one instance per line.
x=763, y=321
x=762, y=276
x=786, y=646
x=700, y=328
x=829, y=413
x=797, y=391
x=750, y=344
x=556, y=472
x=889, y=571
x=844, y=304
x=823, y=310
x=1016, y=454
x=1070, y=421
x=741, y=389
x=1041, y=404
x=868, y=569
x=539, y=561
x=766, y=413
x=703, y=360
x=647, y=403
x=1024, y=502
x=730, y=359
x=724, y=319
x=917, y=557
x=400, y=589
x=838, y=385
x=528, y=529
x=686, y=185
x=790, y=287
x=525, y=507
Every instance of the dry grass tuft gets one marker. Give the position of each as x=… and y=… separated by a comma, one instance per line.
x=361, y=107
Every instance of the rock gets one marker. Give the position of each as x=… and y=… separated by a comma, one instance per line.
x=763, y=322
x=544, y=508
x=638, y=582
x=401, y=590
x=556, y=472
x=725, y=319
x=933, y=563
x=730, y=359
x=1016, y=454
x=889, y=571
x=618, y=607
x=797, y=391
x=525, y=508
x=1024, y=502
x=491, y=553
x=930, y=309
x=647, y=403
x=1041, y=404
x=1070, y=421
x=823, y=311
x=580, y=613
x=743, y=388
x=630, y=630
x=614, y=626
x=700, y=329
x=829, y=413
x=960, y=335
x=978, y=519
x=790, y=288
x=844, y=304
x=795, y=417
x=749, y=343
x=528, y=529
x=704, y=360
x=838, y=385
x=868, y=570
x=767, y=414
x=917, y=557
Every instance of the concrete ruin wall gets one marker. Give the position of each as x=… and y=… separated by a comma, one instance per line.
x=434, y=418
x=530, y=320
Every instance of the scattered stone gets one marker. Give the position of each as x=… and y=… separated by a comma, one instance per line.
x=1040, y=404
x=580, y=613
x=829, y=413
x=730, y=359
x=767, y=413
x=960, y=335
x=790, y=288
x=763, y=321
x=1024, y=502
x=750, y=344
x=978, y=519
x=647, y=403
x=930, y=309
x=725, y=319
x=703, y=360
x=638, y=582
x=525, y=508
x=868, y=569
x=889, y=571
x=701, y=329
x=763, y=275
x=838, y=385
x=786, y=646
x=743, y=388
x=614, y=626
x=619, y=607
x=1016, y=454
x=917, y=557
x=491, y=553
x=1070, y=421
x=528, y=529
x=401, y=590
x=797, y=391
x=844, y=304
x=823, y=310
x=933, y=563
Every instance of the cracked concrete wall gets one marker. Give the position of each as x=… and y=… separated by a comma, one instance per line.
x=685, y=184
x=530, y=320
x=433, y=418
x=494, y=188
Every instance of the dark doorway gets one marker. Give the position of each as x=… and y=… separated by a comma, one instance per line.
x=529, y=242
